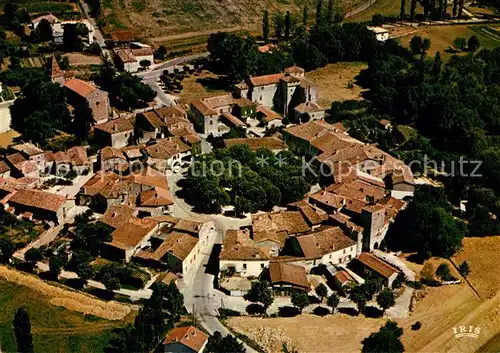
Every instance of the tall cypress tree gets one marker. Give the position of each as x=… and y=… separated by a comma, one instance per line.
x=455, y=8
x=329, y=12
x=413, y=7
x=22, y=330
x=305, y=15
x=288, y=24
x=265, y=26
x=319, y=15
x=460, y=7
x=402, y=11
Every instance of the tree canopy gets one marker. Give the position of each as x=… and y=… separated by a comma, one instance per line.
x=250, y=181
x=386, y=340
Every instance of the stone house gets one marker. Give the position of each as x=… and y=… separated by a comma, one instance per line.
x=167, y=153
x=115, y=133
x=327, y=245
x=41, y=205
x=164, y=122
x=75, y=159
x=281, y=91
x=133, y=235
x=241, y=255
x=187, y=339
x=369, y=264
x=308, y=111
x=129, y=59
x=86, y=94
x=205, y=113
x=30, y=152
x=178, y=244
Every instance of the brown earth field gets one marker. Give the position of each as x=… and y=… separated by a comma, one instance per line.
x=333, y=80
x=66, y=298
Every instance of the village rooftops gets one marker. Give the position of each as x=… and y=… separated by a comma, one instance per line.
x=272, y=79
x=117, y=215
x=268, y=114
x=38, y=199
x=238, y=246
x=323, y=242
x=283, y=273
x=109, y=152
x=132, y=232
x=377, y=265
x=328, y=199
x=115, y=126
x=130, y=55
x=187, y=336
x=176, y=243
x=295, y=70
x=308, y=107
x=232, y=120
x=167, y=148
x=275, y=227
x=219, y=101
x=359, y=190
x=254, y=143
x=80, y=87
x=203, y=108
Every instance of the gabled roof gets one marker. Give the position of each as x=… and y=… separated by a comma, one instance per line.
x=295, y=275
x=238, y=246
x=115, y=126
x=203, y=108
x=38, y=199
x=132, y=232
x=324, y=242
x=155, y=198
x=117, y=215
x=188, y=336
x=80, y=87
x=308, y=107
x=377, y=265
x=232, y=120
x=268, y=114
x=27, y=148
x=266, y=80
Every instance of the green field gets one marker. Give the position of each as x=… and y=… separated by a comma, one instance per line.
x=54, y=329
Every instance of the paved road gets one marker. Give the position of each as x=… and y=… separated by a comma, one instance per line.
x=97, y=32
x=156, y=70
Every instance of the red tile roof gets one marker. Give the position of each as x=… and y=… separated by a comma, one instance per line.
x=295, y=275
x=38, y=199
x=80, y=87
x=115, y=126
x=188, y=336
x=377, y=265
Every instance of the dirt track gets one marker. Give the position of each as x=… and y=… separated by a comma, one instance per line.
x=68, y=299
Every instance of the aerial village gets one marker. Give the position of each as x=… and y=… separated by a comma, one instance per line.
x=289, y=217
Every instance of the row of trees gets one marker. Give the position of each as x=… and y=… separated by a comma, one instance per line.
x=239, y=58
x=250, y=181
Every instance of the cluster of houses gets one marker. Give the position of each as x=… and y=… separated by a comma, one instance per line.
x=340, y=223
x=330, y=228
x=258, y=103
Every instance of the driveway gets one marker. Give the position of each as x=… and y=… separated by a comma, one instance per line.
x=97, y=32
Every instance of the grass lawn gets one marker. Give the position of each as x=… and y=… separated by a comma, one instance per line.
x=442, y=37
x=333, y=80
x=54, y=329
x=194, y=89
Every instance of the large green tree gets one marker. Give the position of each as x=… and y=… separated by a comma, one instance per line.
x=260, y=292
x=386, y=340
x=22, y=331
